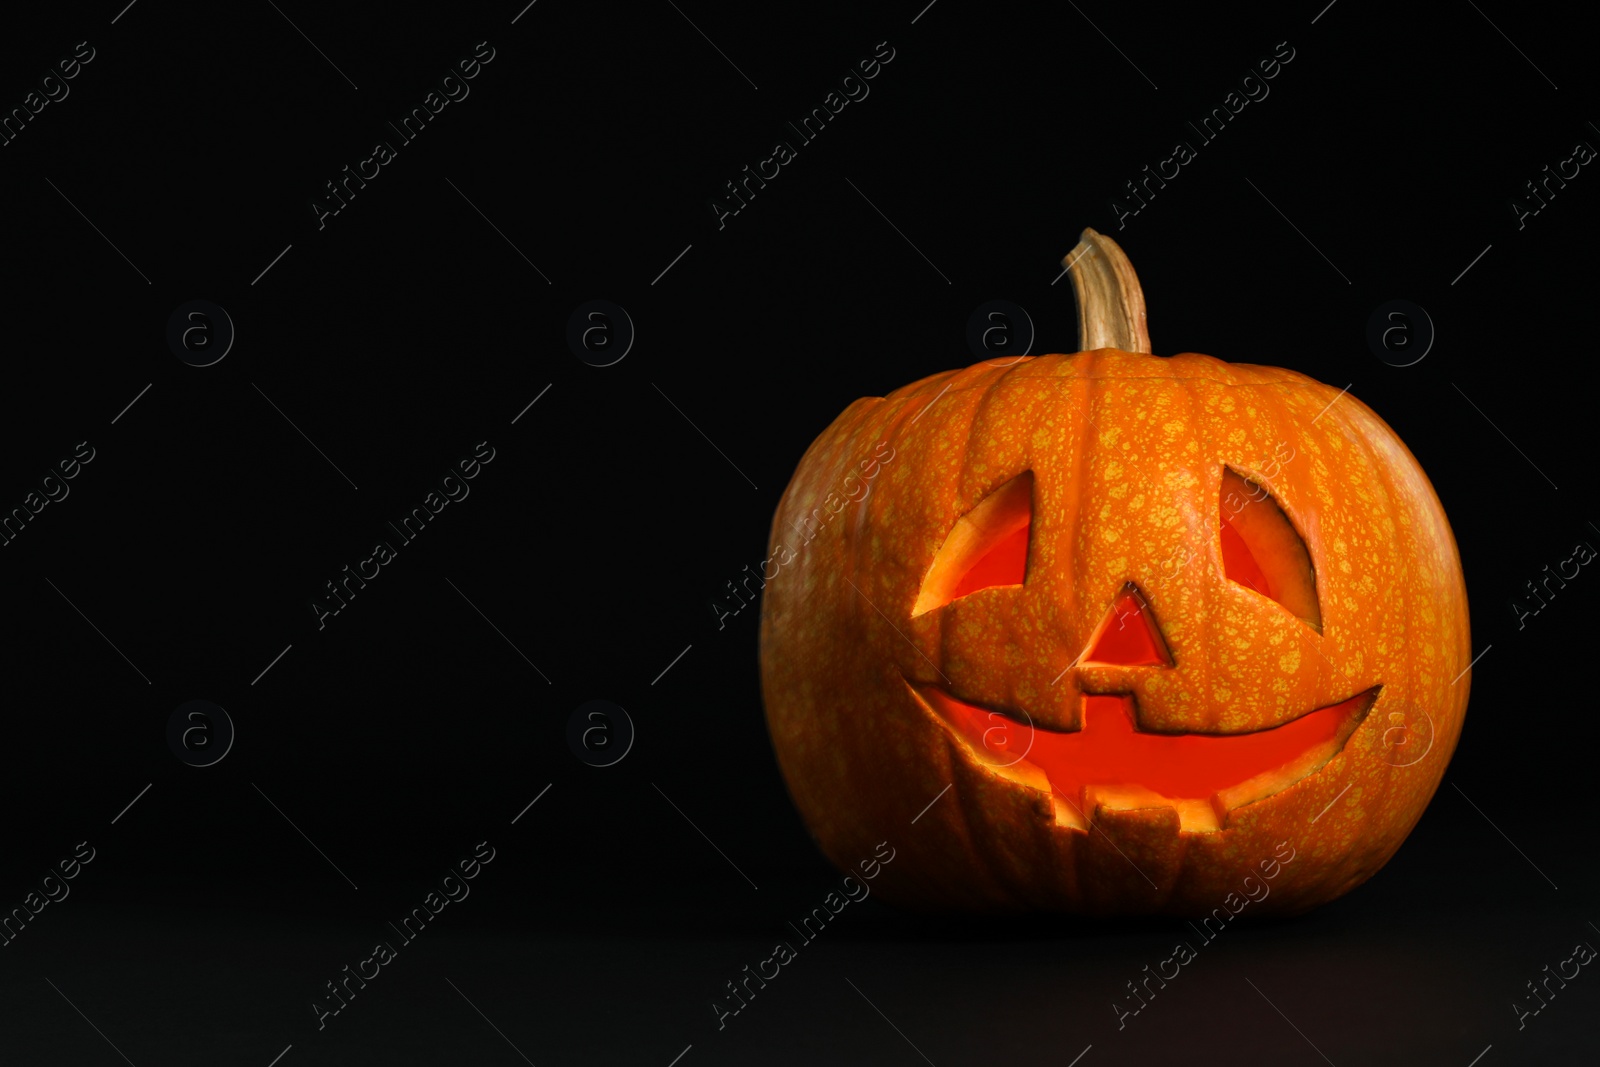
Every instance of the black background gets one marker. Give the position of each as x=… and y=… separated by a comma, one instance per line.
x=415, y=724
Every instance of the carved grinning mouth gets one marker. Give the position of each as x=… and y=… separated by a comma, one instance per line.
x=1113, y=765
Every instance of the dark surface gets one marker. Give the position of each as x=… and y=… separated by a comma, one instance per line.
x=415, y=724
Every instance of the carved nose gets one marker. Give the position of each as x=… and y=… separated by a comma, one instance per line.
x=1128, y=635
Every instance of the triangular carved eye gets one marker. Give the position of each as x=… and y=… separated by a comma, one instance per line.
x=1263, y=551
x=987, y=547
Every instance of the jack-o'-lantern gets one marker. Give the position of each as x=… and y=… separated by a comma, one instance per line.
x=1111, y=632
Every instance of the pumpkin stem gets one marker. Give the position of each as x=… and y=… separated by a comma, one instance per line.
x=1110, y=303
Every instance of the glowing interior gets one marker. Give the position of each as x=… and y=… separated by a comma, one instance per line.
x=1110, y=763
x=1004, y=564
x=1239, y=563
x=1261, y=548
x=987, y=547
x=1128, y=637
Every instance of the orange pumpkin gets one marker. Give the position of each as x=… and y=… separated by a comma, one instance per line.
x=1113, y=633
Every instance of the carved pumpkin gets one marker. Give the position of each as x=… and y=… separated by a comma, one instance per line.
x=1111, y=632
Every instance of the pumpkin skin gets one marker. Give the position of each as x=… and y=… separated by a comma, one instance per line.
x=1128, y=454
